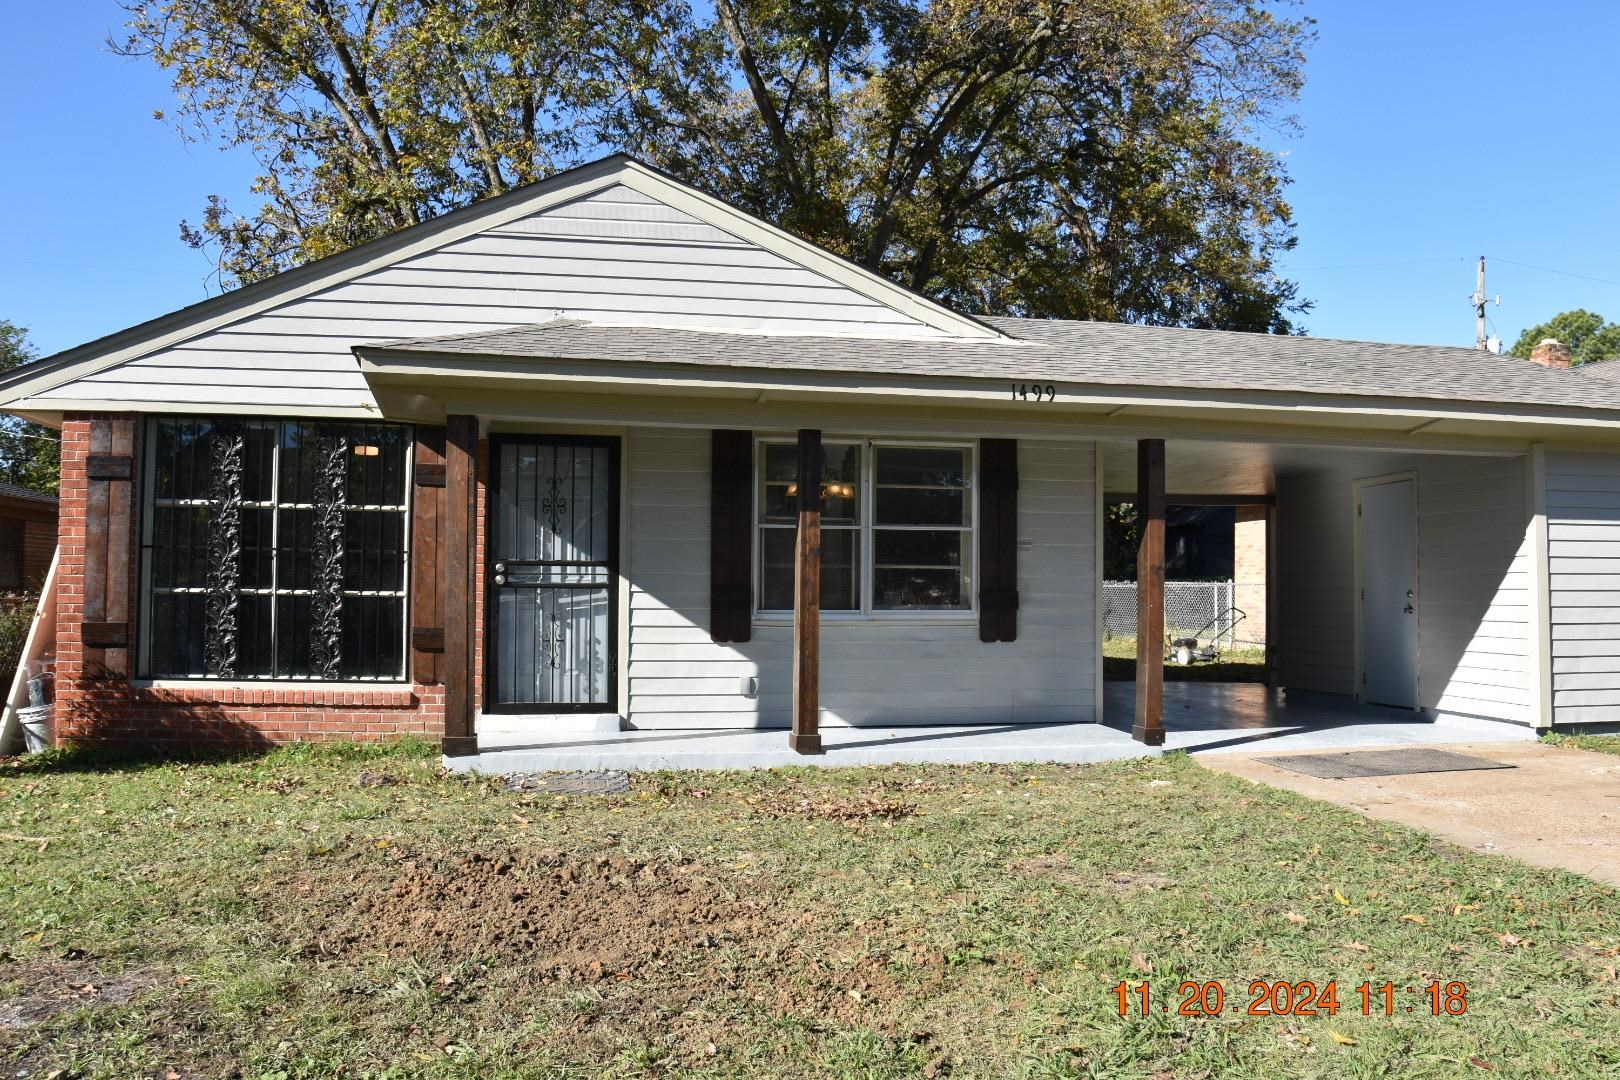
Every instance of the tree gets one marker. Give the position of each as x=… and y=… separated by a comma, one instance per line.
x=1072, y=158
x=1589, y=338
x=30, y=454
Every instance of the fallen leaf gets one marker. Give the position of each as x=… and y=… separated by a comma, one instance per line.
x=1509, y=940
x=1420, y=920
x=1140, y=962
x=1481, y=1063
x=1296, y=918
x=1341, y=898
x=1355, y=946
x=1342, y=1040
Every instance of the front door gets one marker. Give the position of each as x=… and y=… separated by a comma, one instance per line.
x=1388, y=523
x=553, y=571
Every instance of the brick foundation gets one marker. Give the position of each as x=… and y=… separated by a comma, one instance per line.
x=98, y=702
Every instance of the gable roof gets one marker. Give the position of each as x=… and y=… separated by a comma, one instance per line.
x=1088, y=353
x=302, y=281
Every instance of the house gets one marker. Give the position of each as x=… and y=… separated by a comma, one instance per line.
x=27, y=537
x=585, y=456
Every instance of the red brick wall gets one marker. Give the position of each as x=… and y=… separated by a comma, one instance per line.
x=1249, y=572
x=102, y=704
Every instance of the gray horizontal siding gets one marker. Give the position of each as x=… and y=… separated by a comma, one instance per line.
x=615, y=257
x=1473, y=582
x=873, y=672
x=1583, y=559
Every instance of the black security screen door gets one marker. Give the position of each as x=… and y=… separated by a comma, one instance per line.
x=553, y=566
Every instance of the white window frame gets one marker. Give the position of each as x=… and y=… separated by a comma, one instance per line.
x=149, y=502
x=867, y=527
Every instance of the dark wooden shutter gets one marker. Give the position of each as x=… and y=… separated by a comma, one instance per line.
x=998, y=540
x=731, y=525
x=427, y=549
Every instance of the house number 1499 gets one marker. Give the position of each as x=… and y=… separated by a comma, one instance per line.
x=1034, y=392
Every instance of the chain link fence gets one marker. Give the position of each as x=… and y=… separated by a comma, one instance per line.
x=1205, y=609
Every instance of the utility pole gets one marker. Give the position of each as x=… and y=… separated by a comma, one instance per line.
x=1481, y=340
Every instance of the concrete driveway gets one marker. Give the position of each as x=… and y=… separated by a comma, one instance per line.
x=1557, y=807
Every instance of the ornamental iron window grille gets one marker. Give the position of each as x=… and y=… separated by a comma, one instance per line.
x=275, y=549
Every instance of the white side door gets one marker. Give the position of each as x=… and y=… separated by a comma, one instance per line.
x=1387, y=520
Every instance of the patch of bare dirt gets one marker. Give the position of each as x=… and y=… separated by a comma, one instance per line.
x=567, y=919
x=857, y=810
x=653, y=945
x=43, y=987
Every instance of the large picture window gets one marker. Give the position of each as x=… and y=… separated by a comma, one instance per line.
x=897, y=526
x=275, y=549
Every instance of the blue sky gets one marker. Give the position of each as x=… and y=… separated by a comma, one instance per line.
x=1433, y=133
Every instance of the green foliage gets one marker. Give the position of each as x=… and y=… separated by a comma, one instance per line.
x=1070, y=158
x=30, y=454
x=1122, y=535
x=16, y=616
x=1589, y=337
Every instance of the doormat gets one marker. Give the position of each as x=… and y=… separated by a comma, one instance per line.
x=605, y=782
x=1359, y=763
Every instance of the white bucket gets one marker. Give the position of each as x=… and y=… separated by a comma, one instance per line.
x=36, y=726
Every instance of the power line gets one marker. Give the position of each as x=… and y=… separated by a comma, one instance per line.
x=1378, y=265
x=1550, y=270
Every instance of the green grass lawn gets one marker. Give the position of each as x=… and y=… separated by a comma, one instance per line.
x=1606, y=744
x=1235, y=665
x=338, y=912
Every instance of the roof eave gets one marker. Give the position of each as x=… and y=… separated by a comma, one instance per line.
x=391, y=366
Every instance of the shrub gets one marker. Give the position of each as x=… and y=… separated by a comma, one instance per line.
x=16, y=615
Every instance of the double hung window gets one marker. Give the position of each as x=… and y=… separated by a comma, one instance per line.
x=897, y=524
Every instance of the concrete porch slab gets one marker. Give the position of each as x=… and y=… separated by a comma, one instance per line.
x=1216, y=718
x=1201, y=718
x=767, y=748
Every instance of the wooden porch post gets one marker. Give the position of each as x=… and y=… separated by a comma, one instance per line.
x=460, y=533
x=806, y=734
x=1149, y=726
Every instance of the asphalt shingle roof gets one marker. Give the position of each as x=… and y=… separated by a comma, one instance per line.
x=17, y=491
x=1092, y=353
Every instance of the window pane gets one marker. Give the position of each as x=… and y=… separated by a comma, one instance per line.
x=922, y=486
x=373, y=637
x=255, y=647
x=922, y=466
x=921, y=569
x=914, y=589
x=840, y=483
x=255, y=566
x=179, y=546
x=840, y=569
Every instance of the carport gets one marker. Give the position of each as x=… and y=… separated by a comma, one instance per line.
x=1399, y=581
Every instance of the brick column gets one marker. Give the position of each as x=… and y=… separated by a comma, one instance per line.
x=95, y=613
x=1249, y=572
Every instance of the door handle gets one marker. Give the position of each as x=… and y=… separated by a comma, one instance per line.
x=1407, y=609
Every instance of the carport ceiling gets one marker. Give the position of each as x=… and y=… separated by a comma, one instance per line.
x=1199, y=467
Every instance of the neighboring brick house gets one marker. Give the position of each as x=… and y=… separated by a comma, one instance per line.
x=27, y=537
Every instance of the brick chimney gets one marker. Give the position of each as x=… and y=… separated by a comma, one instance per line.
x=1550, y=353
